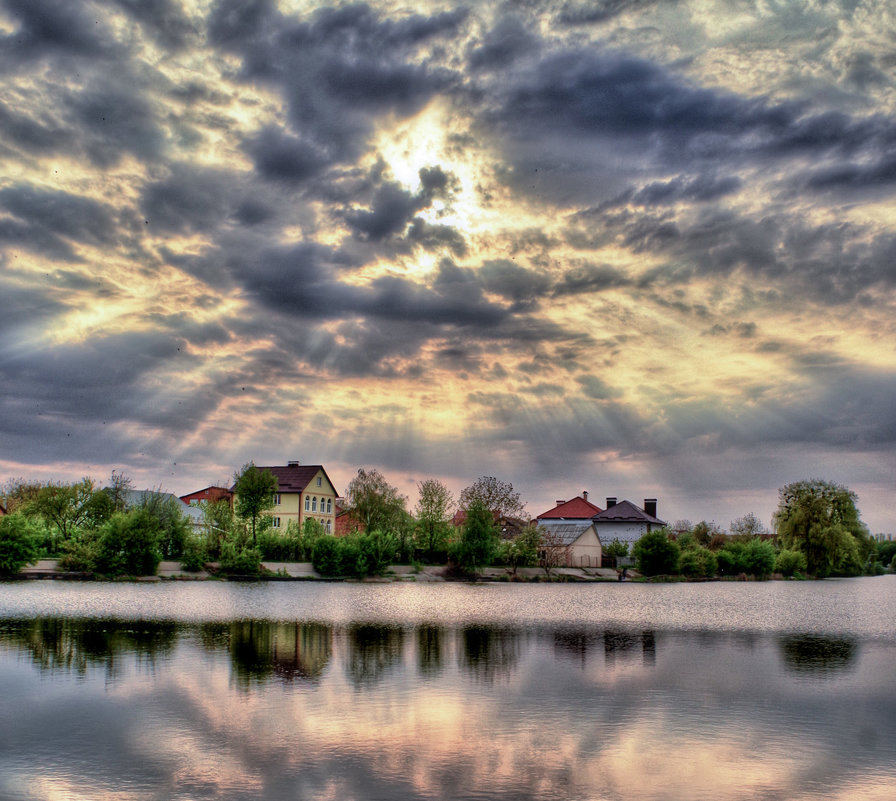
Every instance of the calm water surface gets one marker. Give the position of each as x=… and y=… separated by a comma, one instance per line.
x=777, y=690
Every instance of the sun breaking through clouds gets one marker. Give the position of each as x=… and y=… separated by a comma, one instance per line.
x=641, y=248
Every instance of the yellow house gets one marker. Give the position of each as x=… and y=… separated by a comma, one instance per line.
x=303, y=492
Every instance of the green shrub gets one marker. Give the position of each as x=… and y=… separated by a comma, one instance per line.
x=697, y=562
x=194, y=554
x=788, y=562
x=129, y=544
x=239, y=559
x=655, y=554
x=19, y=543
x=756, y=557
x=327, y=557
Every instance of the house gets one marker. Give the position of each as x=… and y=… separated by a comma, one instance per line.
x=303, y=492
x=209, y=495
x=579, y=508
x=135, y=498
x=508, y=528
x=579, y=540
x=626, y=522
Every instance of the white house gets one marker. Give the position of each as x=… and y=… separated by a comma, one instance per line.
x=626, y=522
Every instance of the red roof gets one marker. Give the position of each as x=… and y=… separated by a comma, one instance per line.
x=575, y=509
x=294, y=478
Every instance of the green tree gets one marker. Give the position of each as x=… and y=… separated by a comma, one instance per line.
x=820, y=519
x=655, y=554
x=433, y=512
x=522, y=550
x=217, y=519
x=374, y=503
x=254, y=490
x=788, y=563
x=697, y=562
x=747, y=527
x=497, y=496
x=63, y=507
x=616, y=548
x=479, y=538
x=129, y=544
x=18, y=543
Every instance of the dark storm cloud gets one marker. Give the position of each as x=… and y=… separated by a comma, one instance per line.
x=43, y=28
x=30, y=135
x=575, y=14
x=339, y=69
x=163, y=19
x=590, y=278
x=513, y=282
x=279, y=156
x=79, y=218
x=195, y=198
x=508, y=39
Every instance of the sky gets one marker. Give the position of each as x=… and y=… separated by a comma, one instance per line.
x=643, y=249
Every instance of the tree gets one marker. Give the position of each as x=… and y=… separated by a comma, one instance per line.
x=820, y=519
x=551, y=551
x=129, y=544
x=64, y=507
x=433, y=511
x=254, y=490
x=18, y=543
x=119, y=487
x=747, y=527
x=616, y=548
x=522, y=550
x=374, y=503
x=497, y=496
x=655, y=554
x=478, y=539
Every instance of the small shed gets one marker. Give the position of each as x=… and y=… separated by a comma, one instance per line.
x=580, y=541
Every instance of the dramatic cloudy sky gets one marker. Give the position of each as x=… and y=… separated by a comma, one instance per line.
x=637, y=248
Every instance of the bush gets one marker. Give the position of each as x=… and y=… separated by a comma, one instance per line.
x=238, y=559
x=756, y=557
x=697, y=562
x=129, y=544
x=787, y=563
x=194, y=554
x=327, y=557
x=18, y=543
x=655, y=554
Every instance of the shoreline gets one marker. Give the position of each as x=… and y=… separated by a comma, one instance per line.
x=47, y=570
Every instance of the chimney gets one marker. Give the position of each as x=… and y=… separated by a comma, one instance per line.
x=611, y=502
x=293, y=463
x=650, y=506
x=585, y=495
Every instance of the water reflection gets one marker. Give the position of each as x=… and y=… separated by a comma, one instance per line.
x=373, y=652
x=489, y=653
x=285, y=710
x=817, y=655
x=75, y=645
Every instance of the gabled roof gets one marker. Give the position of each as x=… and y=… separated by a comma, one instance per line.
x=626, y=512
x=574, y=509
x=568, y=533
x=294, y=478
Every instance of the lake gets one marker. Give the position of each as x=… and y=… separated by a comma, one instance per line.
x=295, y=690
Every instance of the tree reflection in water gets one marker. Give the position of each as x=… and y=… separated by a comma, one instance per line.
x=817, y=655
x=489, y=653
x=74, y=645
x=372, y=652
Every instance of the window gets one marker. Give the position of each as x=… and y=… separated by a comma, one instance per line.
x=276, y=522
x=319, y=479
x=314, y=504
x=329, y=506
x=277, y=499
x=328, y=526
x=307, y=504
